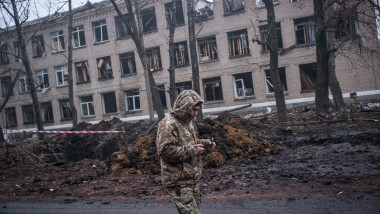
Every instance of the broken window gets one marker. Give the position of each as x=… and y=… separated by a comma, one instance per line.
x=238, y=41
x=232, y=6
x=207, y=49
x=82, y=72
x=132, y=99
x=204, y=10
x=87, y=106
x=28, y=115
x=6, y=86
x=308, y=75
x=46, y=112
x=127, y=62
x=181, y=54
x=23, y=83
x=181, y=86
x=42, y=79
x=78, y=37
x=109, y=102
x=148, y=17
x=17, y=52
x=4, y=54
x=243, y=85
x=213, y=89
x=57, y=42
x=260, y=3
x=269, y=83
x=346, y=28
x=104, y=67
x=100, y=31
x=65, y=109
x=179, y=13
x=121, y=28
x=264, y=32
x=38, y=46
x=10, y=117
x=154, y=58
x=305, y=30
x=62, y=75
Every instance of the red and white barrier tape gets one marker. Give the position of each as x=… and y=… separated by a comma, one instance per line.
x=61, y=132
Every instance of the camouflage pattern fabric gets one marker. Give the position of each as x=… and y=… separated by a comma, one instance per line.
x=186, y=198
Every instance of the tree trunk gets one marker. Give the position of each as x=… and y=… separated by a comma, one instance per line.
x=336, y=91
x=172, y=23
x=70, y=67
x=321, y=89
x=28, y=70
x=282, y=114
x=193, y=51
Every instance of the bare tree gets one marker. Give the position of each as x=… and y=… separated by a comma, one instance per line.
x=193, y=50
x=274, y=72
x=172, y=20
x=70, y=67
x=135, y=28
x=11, y=7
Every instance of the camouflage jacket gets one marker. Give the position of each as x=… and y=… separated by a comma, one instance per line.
x=176, y=139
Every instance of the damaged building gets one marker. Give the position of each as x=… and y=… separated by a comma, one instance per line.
x=234, y=70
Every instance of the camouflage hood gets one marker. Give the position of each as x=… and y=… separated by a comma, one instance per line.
x=184, y=103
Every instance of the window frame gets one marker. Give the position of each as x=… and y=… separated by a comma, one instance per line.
x=57, y=41
x=38, y=46
x=180, y=19
x=78, y=31
x=85, y=74
x=65, y=103
x=146, y=12
x=23, y=83
x=303, y=24
x=133, y=97
x=106, y=102
x=119, y=25
x=208, y=54
x=183, y=55
x=127, y=56
x=10, y=113
x=27, y=107
x=306, y=76
x=149, y=54
x=65, y=77
x=213, y=81
x=5, y=86
x=46, y=110
x=44, y=81
x=244, y=82
x=102, y=25
x=181, y=86
x=283, y=79
x=230, y=11
x=88, y=104
x=17, y=51
x=264, y=33
x=103, y=72
x=4, y=59
x=237, y=35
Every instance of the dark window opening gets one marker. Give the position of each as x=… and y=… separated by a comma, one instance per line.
x=46, y=112
x=42, y=79
x=10, y=116
x=128, y=64
x=23, y=83
x=305, y=30
x=308, y=75
x=243, y=85
x=82, y=72
x=104, y=67
x=179, y=13
x=57, y=41
x=269, y=83
x=233, y=6
x=28, y=115
x=79, y=39
x=207, y=49
x=65, y=108
x=181, y=86
x=181, y=53
x=132, y=99
x=6, y=86
x=4, y=54
x=121, y=28
x=346, y=28
x=238, y=42
x=264, y=31
x=161, y=92
x=109, y=102
x=62, y=75
x=100, y=31
x=38, y=46
x=213, y=89
x=154, y=58
x=17, y=52
x=149, y=22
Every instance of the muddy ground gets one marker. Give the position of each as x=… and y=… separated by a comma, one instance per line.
x=334, y=155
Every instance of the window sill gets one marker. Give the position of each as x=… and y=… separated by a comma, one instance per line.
x=102, y=42
x=10, y=126
x=213, y=102
x=62, y=86
x=208, y=61
x=58, y=52
x=160, y=69
x=307, y=91
x=128, y=75
x=81, y=83
x=37, y=56
x=151, y=31
x=133, y=111
x=47, y=122
x=103, y=79
x=66, y=119
x=177, y=25
x=306, y=45
x=240, y=56
x=234, y=12
x=244, y=98
x=80, y=47
x=110, y=114
x=273, y=95
x=123, y=38
x=88, y=117
x=28, y=123
x=180, y=66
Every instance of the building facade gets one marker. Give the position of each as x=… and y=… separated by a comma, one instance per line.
x=234, y=70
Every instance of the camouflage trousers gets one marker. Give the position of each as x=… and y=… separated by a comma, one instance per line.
x=187, y=198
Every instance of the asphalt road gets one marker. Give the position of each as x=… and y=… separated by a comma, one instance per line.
x=315, y=205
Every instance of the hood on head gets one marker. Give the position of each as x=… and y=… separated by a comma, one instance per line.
x=184, y=103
